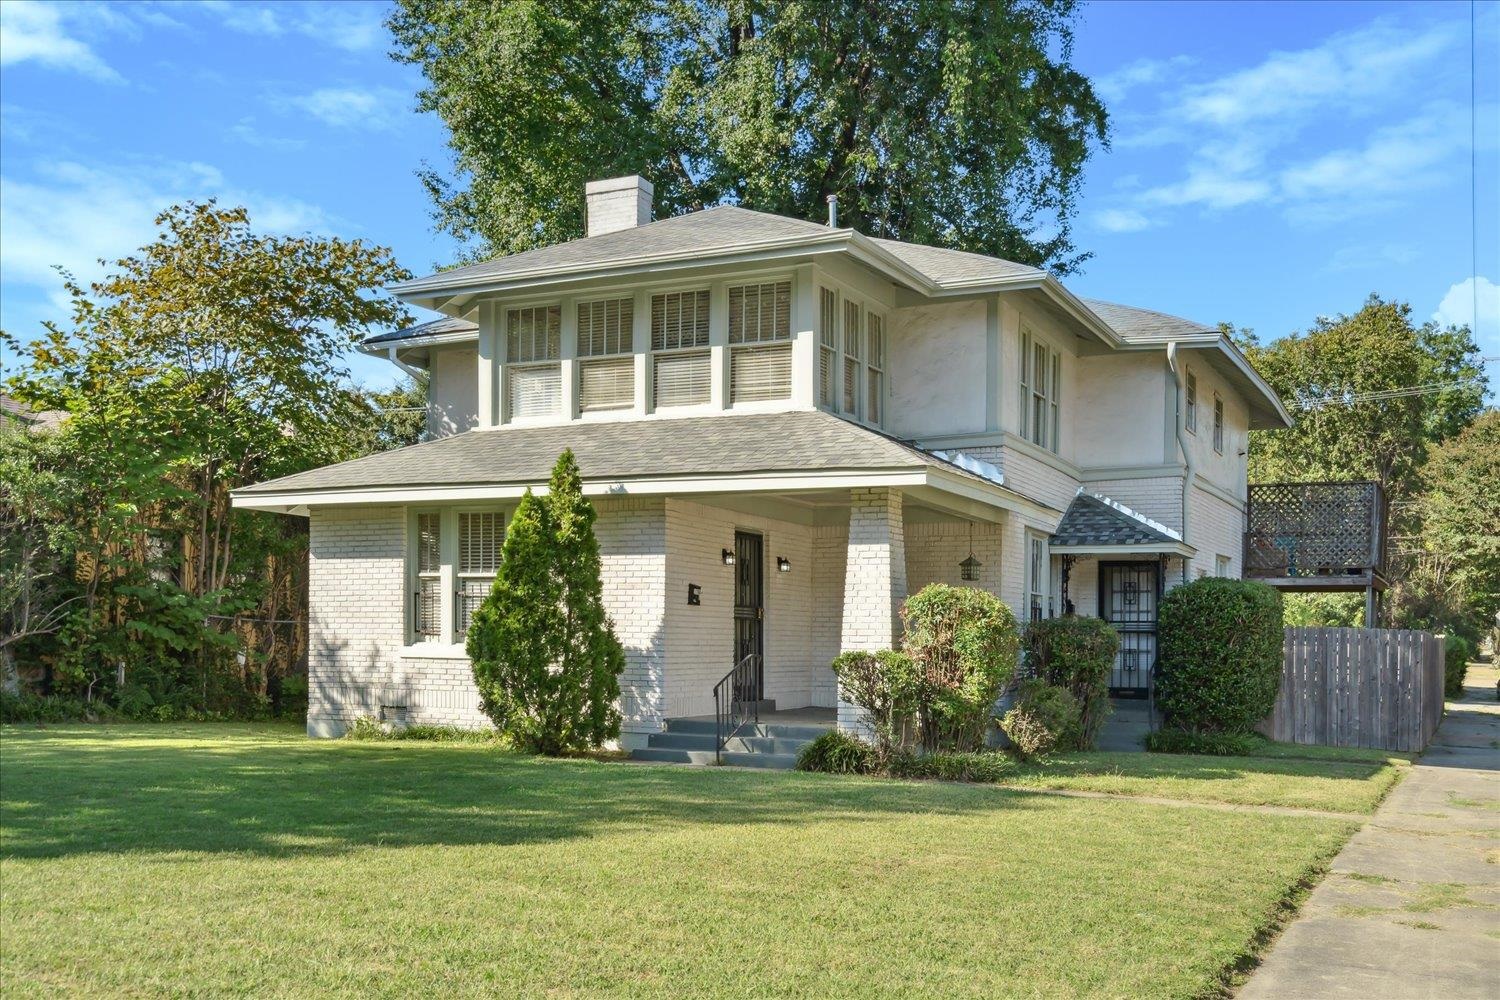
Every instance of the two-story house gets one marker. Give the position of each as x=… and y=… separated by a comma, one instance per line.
x=786, y=427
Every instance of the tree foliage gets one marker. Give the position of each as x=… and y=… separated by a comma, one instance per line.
x=545, y=656
x=1460, y=518
x=208, y=360
x=954, y=122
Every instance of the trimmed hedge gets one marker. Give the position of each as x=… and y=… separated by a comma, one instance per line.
x=1220, y=655
x=964, y=644
x=1455, y=666
x=1075, y=653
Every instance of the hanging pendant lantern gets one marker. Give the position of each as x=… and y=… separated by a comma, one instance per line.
x=969, y=568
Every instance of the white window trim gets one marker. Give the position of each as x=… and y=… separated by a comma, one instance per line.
x=447, y=643
x=1219, y=429
x=1190, y=404
x=1028, y=342
x=868, y=307
x=1037, y=588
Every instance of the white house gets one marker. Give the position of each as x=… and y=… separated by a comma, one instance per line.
x=786, y=427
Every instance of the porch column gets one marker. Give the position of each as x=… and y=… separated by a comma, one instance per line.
x=874, y=580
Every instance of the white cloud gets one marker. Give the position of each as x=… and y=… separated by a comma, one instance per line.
x=1364, y=257
x=349, y=26
x=1119, y=220
x=1459, y=305
x=31, y=31
x=70, y=214
x=376, y=108
x=1394, y=159
x=1113, y=87
x=246, y=131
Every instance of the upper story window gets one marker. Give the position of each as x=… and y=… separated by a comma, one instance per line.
x=875, y=383
x=533, y=340
x=1192, y=403
x=853, y=341
x=1041, y=389
x=1218, y=424
x=828, y=347
x=760, y=342
x=606, y=365
x=681, y=369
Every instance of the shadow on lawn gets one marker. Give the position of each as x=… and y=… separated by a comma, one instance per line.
x=68, y=793
x=1191, y=767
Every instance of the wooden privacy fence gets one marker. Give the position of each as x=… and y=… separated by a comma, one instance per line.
x=1359, y=687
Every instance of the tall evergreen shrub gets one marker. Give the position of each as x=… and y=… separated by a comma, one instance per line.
x=544, y=653
x=1220, y=655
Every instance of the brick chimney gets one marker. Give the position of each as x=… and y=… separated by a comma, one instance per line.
x=618, y=203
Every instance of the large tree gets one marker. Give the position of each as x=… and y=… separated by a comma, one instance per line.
x=955, y=122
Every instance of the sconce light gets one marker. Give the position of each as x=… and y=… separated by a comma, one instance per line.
x=728, y=556
x=783, y=564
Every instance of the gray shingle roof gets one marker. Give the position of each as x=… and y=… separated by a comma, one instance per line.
x=432, y=328
x=1090, y=521
x=949, y=267
x=723, y=228
x=1135, y=324
x=795, y=441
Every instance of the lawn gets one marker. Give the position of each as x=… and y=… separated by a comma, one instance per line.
x=248, y=860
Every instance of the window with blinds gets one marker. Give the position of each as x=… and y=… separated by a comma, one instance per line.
x=480, y=536
x=760, y=314
x=606, y=384
x=535, y=391
x=427, y=600
x=533, y=334
x=679, y=320
x=760, y=373
x=681, y=379
x=828, y=346
x=853, y=335
x=875, y=366
x=606, y=327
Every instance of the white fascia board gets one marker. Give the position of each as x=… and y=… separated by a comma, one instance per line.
x=431, y=340
x=1152, y=548
x=1079, y=310
x=1236, y=358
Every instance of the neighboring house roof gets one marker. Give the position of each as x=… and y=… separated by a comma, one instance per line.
x=14, y=411
x=1095, y=524
x=720, y=447
x=442, y=326
x=1133, y=324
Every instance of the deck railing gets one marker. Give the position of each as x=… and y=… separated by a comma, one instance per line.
x=1297, y=531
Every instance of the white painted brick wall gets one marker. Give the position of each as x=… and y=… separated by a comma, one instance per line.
x=830, y=546
x=1159, y=497
x=934, y=550
x=1217, y=529
x=874, y=580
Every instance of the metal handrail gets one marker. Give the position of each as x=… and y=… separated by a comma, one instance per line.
x=732, y=708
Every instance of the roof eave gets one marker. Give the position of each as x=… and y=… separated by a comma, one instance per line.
x=1144, y=548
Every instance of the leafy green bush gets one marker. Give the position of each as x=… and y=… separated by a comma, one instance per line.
x=26, y=707
x=1455, y=665
x=983, y=766
x=886, y=685
x=963, y=644
x=837, y=752
x=1220, y=655
x=1209, y=744
x=1075, y=654
x=1045, y=717
x=545, y=656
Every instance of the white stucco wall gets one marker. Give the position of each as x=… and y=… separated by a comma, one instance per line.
x=1120, y=410
x=938, y=366
x=1226, y=470
x=452, y=391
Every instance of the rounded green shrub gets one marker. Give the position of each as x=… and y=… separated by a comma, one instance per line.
x=1220, y=655
x=1456, y=658
x=837, y=752
x=1045, y=717
x=1075, y=653
x=964, y=646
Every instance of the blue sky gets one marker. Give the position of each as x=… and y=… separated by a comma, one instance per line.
x=1271, y=162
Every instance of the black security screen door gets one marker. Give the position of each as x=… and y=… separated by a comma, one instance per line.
x=1128, y=597
x=749, y=605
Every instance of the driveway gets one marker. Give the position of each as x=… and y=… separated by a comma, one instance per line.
x=1411, y=907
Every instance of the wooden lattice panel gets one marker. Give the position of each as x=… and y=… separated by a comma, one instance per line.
x=1313, y=529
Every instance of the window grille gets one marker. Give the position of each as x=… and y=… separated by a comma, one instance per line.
x=678, y=320
x=760, y=314
x=759, y=373
x=606, y=384
x=1041, y=391
x=533, y=334
x=1218, y=424
x=681, y=379
x=427, y=613
x=828, y=346
x=1192, y=403
x=480, y=536
x=606, y=327
x=853, y=335
x=875, y=347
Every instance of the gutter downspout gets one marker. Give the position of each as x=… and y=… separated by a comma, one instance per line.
x=408, y=369
x=1190, y=470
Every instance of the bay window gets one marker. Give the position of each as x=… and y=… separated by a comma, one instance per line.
x=828, y=347
x=1041, y=390
x=853, y=330
x=875, y=382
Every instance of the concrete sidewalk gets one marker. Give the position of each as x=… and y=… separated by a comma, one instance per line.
x=1411, y=907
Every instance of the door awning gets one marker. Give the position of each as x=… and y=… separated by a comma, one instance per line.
x=1095, y=525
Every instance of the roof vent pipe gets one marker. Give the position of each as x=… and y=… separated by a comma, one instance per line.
x=833, y=211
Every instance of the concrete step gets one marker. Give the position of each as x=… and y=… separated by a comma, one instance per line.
x=764, y=744
x=705, y=727
x=681, y=741
x=779, y=761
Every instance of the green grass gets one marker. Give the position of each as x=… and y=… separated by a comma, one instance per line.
x=244, y=860
x=1336, y=784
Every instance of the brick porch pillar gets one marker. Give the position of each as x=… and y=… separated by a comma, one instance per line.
x=874, y=580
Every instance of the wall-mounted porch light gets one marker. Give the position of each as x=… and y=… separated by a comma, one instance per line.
x=783, y=564
x=728, y=556
x=969, y=568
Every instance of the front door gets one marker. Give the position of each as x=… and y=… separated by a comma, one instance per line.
x=1128, y=597
x=749, y=610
